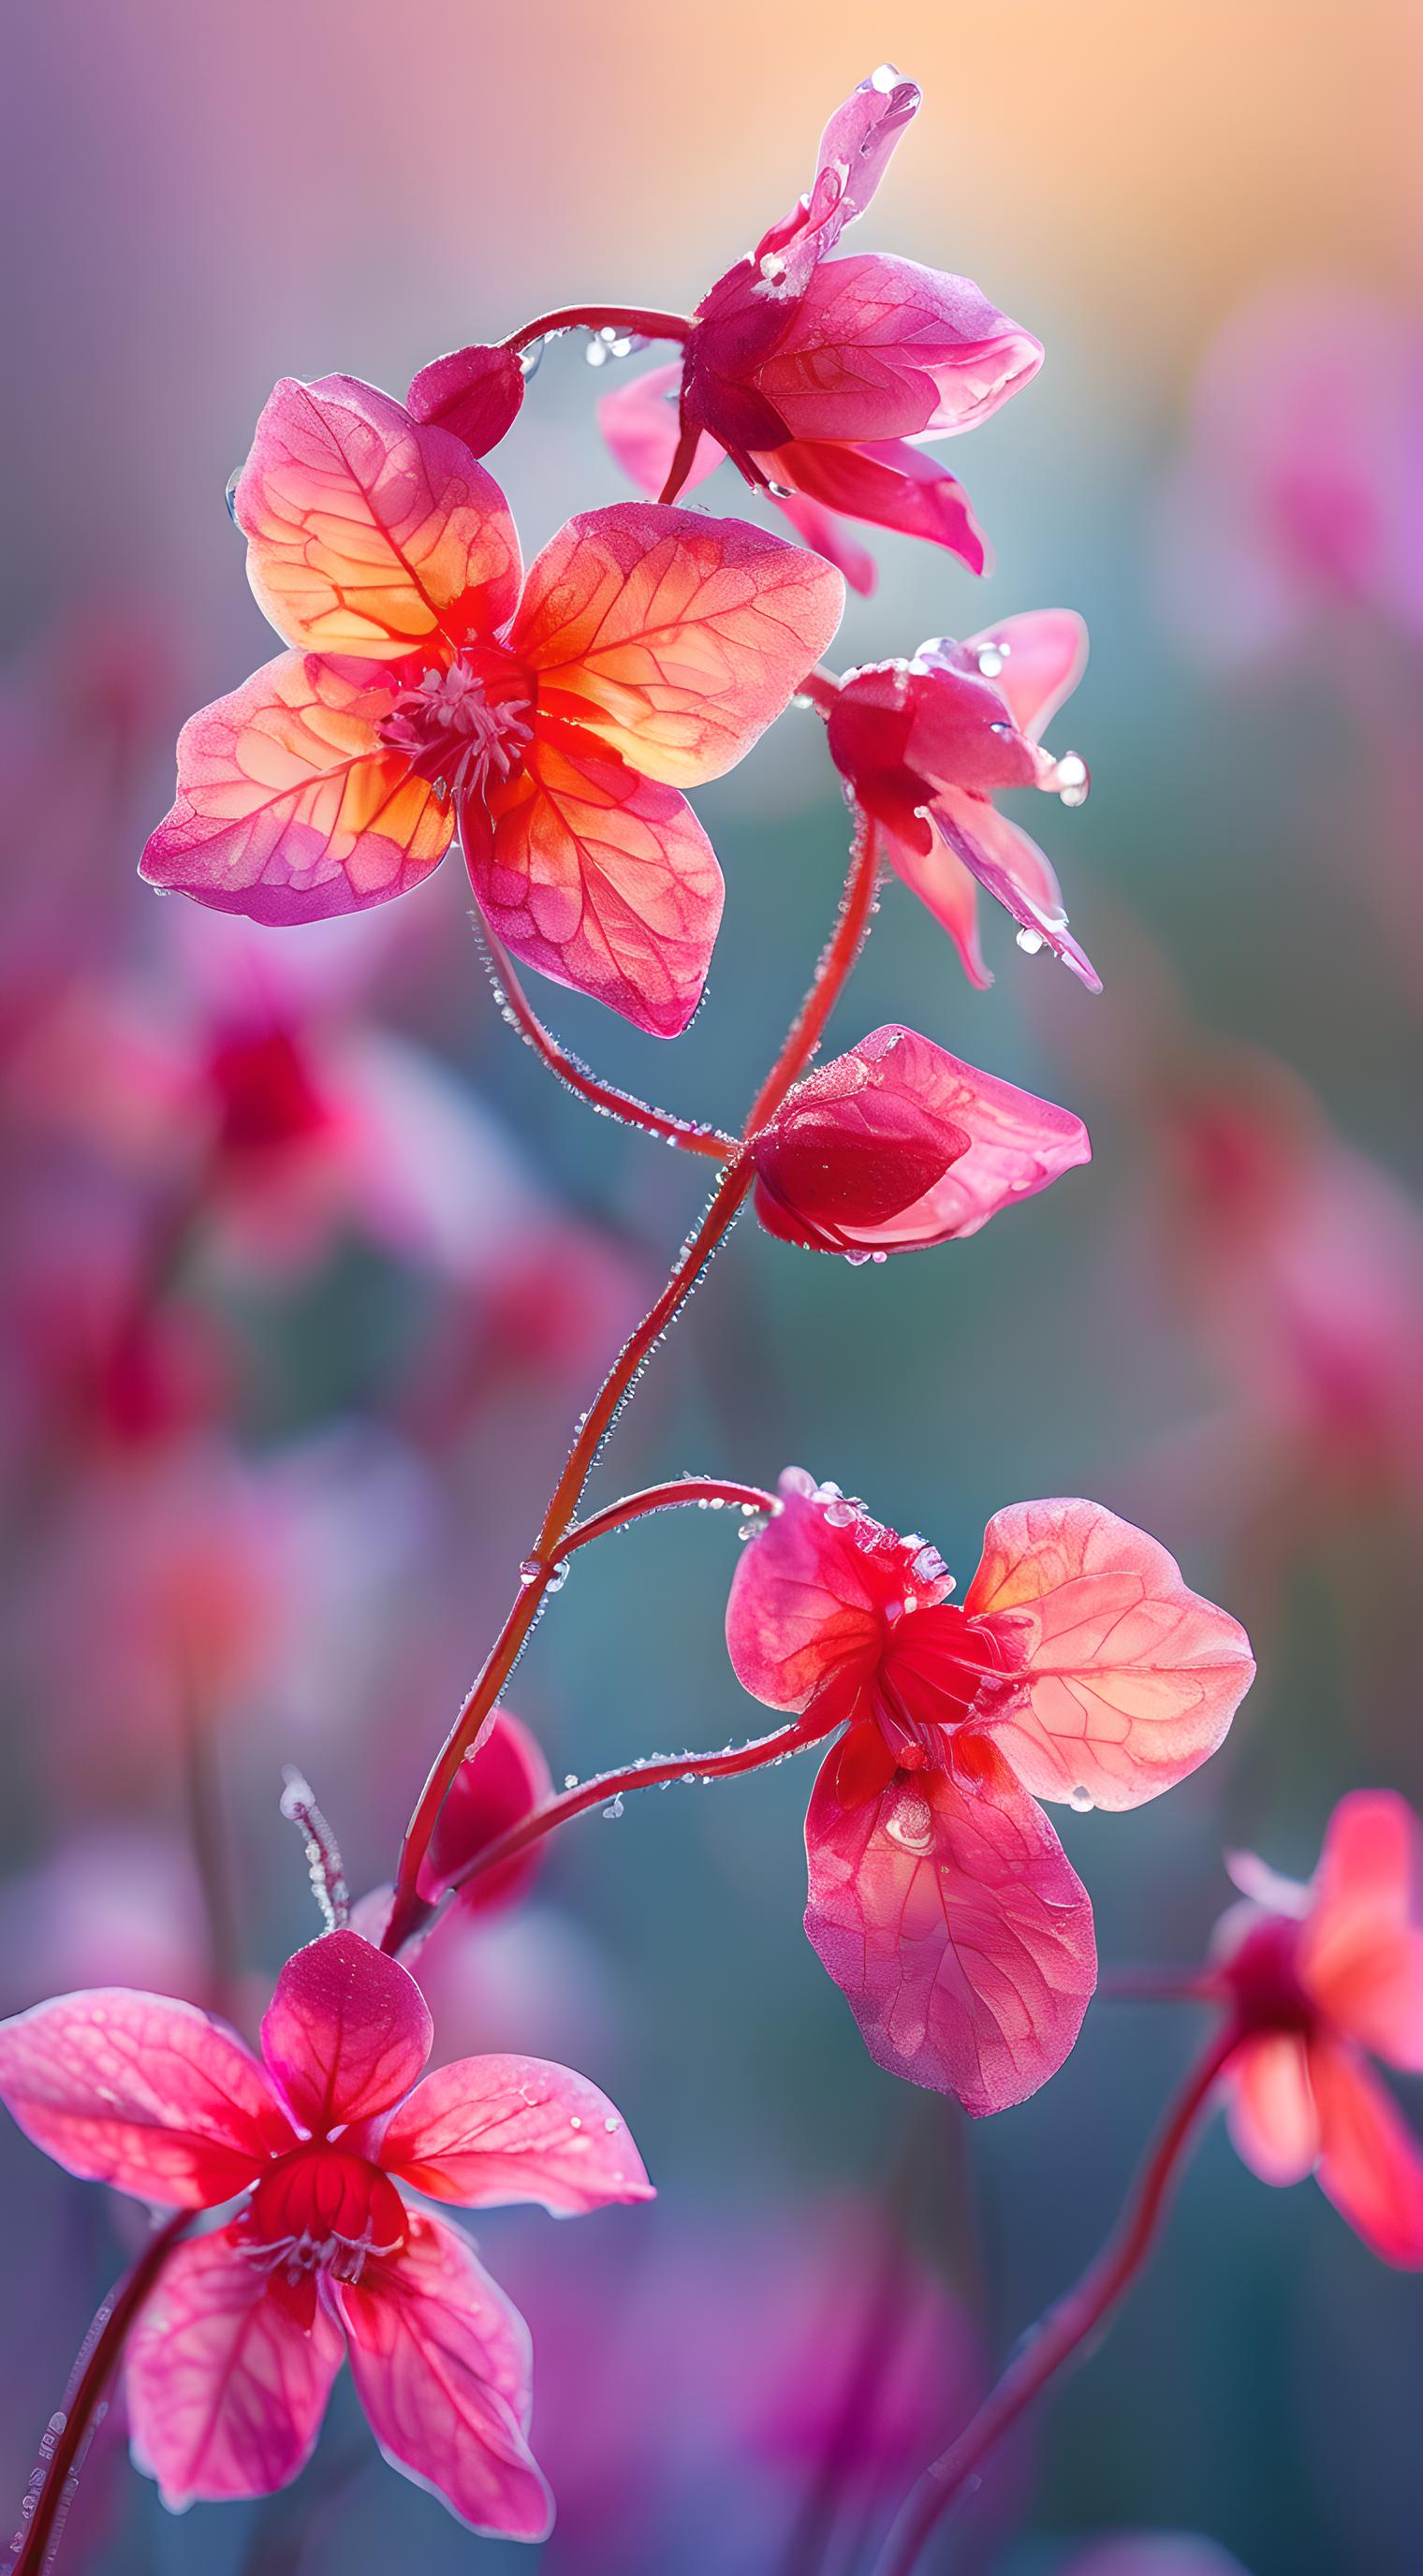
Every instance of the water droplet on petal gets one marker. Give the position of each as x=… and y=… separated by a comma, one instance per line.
x=990, y=661
x=1081, y=1801
x=1030, y=941
x=230, y=495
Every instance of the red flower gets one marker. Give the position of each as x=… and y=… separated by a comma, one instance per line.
x=1079, y=1668
x=820, y=378
x=926, y=745
x=232, y=2360
x=899, y=1145
x=1320, y=1975
x=555, y=718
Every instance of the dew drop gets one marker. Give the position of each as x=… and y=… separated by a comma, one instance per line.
x=230, y=495
x=781, y=491
x=531, y=359
x=596, y=353
x=559, y=1576
x=574, y=2121
x=990, y=661
x=1081, y=1800
x=570, y=1779
x=612, y=2127
x=614, y=1806
x=1030, y=941
x=530, y=1571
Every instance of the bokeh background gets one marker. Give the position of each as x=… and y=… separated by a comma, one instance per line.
x=285, y=1526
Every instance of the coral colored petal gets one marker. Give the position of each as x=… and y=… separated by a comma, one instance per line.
x=493, y=2129
x=441, y=2364
x=820, y=529
x=1009, y=865
x=369, y=532
x=1043, y=654
x=346, y=2033
x=474, y=393
x=806, y=1602
x=1130, y=1678
x=950, y=892
x=640, y=422
x=289, y=807
x=142, y=2092
x=1370, y=2164
x=1271, y=2110
x=882, y=349
x=952, y=1920
x=603, y=880
x=676, y=639
x=889, y=483
x=1361, y=1951
x=225, y=2390
x=503, y=1780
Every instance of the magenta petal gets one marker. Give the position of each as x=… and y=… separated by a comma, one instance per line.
x=854, y=153
x=1361, y=1955
x=1042, y=655
x=954, y=1923
x=488, y=2130
x=1010, y=866
x=889, y=483
x=225, y=2390
x=497, y=1784
x=820, y=529
x=474, y=393
x=639, y=420
x=806, y=1600
x=347, y=2031
x=1370, y=2164
x=881, y=349
x=441, y=2363
x=150, y=2095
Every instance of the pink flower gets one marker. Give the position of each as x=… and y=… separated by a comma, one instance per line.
x=926, y=745
x=1079, y=1668
x=232, y=2360
x=898, y=1145
x=475, y=393
x=821, y=378
x=555, y=719
x=1321, y=1976
x=493, y=1789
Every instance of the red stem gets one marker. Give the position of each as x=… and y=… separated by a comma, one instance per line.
x=683, y=458
x=650, y=1773
x=603, y=1096
x=409, y=1909
x=1067, y=2326
x=632, y=318
x=678, y=1492
x=96, y=2365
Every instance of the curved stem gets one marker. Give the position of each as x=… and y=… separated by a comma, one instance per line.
x=1067, y=2326
x=674, y=1495
x=409, y=1909
x=649, y=1773
x=633, y=318
x=605, y=1097
x=96, y=2365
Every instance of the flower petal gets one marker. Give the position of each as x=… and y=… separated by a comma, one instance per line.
x=1009, y=865
x=949, y=891
x=142, y=2092
x=290, y=807
x=488, y=2130
x=1043, y=654
x=952, y=1919
x=821, y=530
x=854, y=154
x=369, y=532
x=900, y=1145
x=806, y=1600
x=881, y=348
x=346, y=2033
x=1270, y=2107
x=441, y=2364
x=676, y=639
x=889, y=483
x=501, y=1781
x=1361, y=1951
x=603, y=880
x=1370, y=2164
x=474, y=393
x=640, y=423
x=225, y=2390
x=1130, y=1678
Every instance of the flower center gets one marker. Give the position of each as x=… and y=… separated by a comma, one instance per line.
x=941, y=1671
x=321, y=2210
x=462, y=726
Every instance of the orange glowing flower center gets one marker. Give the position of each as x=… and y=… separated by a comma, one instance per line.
x=466, y=724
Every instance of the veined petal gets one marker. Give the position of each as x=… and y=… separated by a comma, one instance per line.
x=290, y=808
x=953, y=1922
x=346, y=2033
x=1361, y=1949
x=369, y=532
x=474, y=393
x=882, y=348
x=603, y=880
x=493, y=2129
x=1370, y=2164
x=441, y=2363
x=640, y=423
x=225, y=2390
x=143, y=2092
x=889, y=483
x=1130, y=1680
x=675, y=639
x=806, y=1601
x=1270, y=2107
x=1009, y=865
x=501, y=1781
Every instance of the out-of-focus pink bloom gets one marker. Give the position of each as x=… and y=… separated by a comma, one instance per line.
x=821, y=377
x=1321, y=1977
x=1298, y=495
x=498, y=1784
x=1080, y=1668
x=555, y=718
x=118, y=1901
x=232, y=2360
x=898, y=1145
x=926, y=745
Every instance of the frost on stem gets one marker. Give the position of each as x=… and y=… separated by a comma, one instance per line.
x=323, y=1858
